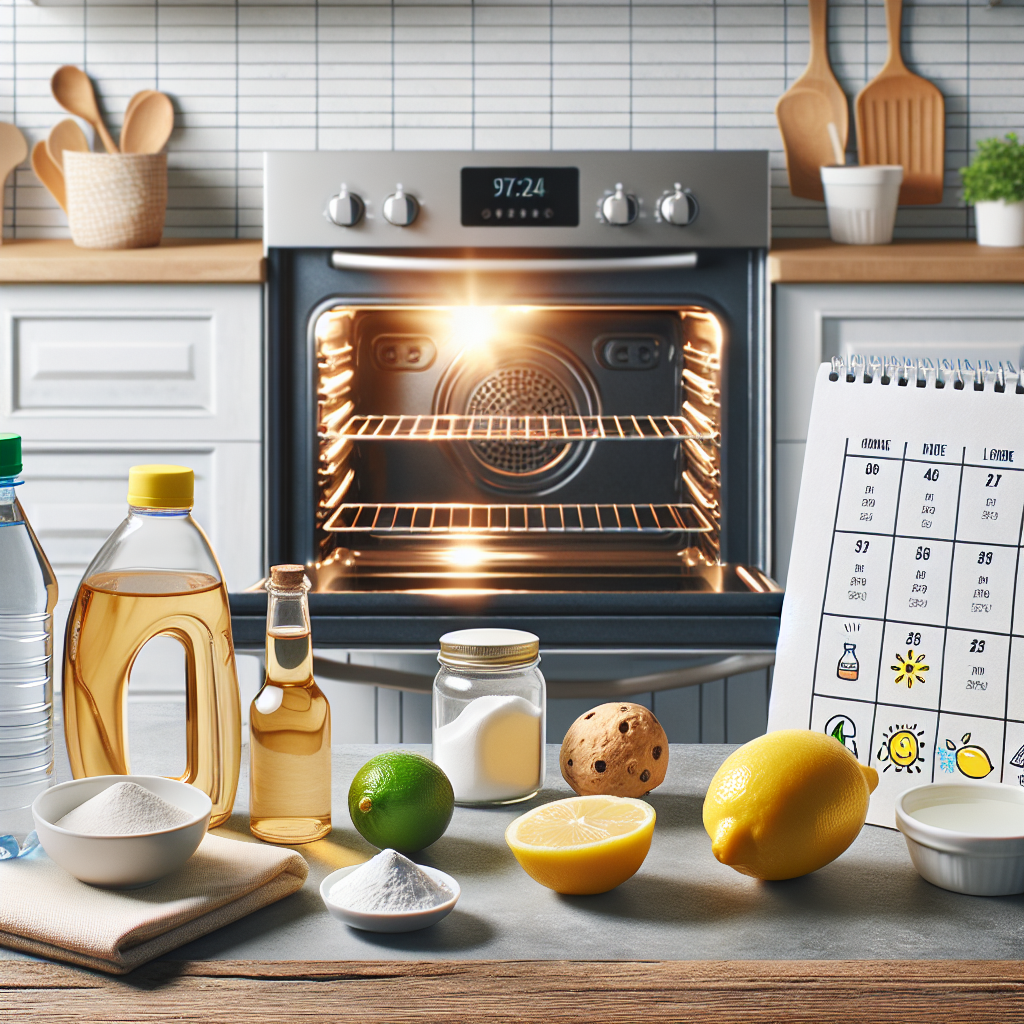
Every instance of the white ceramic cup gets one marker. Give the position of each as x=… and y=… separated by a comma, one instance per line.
x=862, y=202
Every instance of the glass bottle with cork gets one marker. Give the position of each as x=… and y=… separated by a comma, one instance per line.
x=289, y=724
x=156, y=575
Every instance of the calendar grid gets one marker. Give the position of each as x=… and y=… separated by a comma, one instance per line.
x=920, y=601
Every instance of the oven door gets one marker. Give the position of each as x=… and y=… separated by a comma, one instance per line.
x=574, y=445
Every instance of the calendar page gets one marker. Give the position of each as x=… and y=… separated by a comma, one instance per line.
x=903, y=624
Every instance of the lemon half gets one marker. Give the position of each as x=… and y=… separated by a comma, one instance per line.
x=583, y=845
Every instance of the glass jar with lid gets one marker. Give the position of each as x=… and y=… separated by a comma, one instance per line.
x=489, y=715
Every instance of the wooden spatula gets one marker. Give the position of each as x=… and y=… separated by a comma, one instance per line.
x=901, y=119
x=65, y=135
x=805, y=109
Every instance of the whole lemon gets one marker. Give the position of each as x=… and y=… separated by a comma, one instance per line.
x=787, y=803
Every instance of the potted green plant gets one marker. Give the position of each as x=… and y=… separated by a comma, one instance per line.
x=994, y=185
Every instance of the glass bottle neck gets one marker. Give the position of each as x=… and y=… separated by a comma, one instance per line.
x=289, y=647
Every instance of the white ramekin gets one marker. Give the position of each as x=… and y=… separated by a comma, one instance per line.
x=977, y=865
x=862, y=202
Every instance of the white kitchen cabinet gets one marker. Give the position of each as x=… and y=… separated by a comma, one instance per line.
x=166, y=362
x=814, y=322
x=99, y=378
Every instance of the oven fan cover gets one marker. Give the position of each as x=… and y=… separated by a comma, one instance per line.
x=519, y=376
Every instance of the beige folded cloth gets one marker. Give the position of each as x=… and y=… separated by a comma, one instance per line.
x=47, y=912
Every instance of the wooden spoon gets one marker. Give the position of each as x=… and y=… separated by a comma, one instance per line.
x=805, y=109
x=13, y=150
x=901, y=119
x=148, y=125
x=65, y=135
x=73, y=91
x=49, y=174
x=134, y=102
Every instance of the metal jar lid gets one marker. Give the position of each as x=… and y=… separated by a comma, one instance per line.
x=488, y=648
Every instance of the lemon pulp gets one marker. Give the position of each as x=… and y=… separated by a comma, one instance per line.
x=585, y=844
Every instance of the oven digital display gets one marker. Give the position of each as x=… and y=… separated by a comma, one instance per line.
x=521, y=197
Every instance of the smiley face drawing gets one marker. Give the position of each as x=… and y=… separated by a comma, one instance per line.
x=901, y=748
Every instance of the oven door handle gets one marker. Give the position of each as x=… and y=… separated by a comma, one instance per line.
x=342, y=260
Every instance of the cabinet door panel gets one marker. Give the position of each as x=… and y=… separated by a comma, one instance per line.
x=101, y=362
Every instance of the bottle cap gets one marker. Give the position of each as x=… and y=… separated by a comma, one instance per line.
x=489, y=648
x=161, y=486
x=287, y=577
x=10, y=454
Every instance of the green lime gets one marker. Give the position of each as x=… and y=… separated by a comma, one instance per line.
x=400, y=801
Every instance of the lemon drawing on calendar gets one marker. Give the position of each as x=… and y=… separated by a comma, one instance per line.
x=971, y=760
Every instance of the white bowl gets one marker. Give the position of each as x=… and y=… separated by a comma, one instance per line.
x=120, y=862
x=862, y=202
x=391, y=920
x=967, y=862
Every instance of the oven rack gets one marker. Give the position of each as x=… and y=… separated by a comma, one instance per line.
x=420, y=518
x=522, y=428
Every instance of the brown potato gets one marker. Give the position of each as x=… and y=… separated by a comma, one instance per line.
x=618, y=749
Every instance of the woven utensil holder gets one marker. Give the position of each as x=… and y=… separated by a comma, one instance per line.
x=116, y=200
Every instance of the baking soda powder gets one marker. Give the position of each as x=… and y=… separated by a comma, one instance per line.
x=124, y=809
x=492, y=751
x=389, y=882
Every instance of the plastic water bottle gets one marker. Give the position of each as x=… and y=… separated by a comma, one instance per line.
x=28, y=593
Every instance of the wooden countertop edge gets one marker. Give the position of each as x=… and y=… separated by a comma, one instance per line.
x=541, y=991
x=947, y=261
x=174, y=261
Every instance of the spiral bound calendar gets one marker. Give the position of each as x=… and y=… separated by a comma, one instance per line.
x=903, y=624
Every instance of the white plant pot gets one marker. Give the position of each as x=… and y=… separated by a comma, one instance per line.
x=862, y=202
x=1000, y=223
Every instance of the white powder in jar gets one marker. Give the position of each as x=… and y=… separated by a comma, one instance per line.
x=389, y=882
x=492, y=751
x=124, y=809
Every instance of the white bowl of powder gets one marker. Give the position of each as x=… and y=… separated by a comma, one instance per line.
x=389, y=893
x=121, y=831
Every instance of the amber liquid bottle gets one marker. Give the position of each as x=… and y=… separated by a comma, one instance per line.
x=289, y=725
x=155, y=576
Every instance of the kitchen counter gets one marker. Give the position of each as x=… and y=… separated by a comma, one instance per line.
x=821, y=261
x=628, y=946
x=174, y=261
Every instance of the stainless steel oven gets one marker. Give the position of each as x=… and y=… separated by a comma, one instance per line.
x=521, y=386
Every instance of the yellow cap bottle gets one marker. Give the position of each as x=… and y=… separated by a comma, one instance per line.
x=159, y=486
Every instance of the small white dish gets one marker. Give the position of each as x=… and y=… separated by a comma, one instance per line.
x=972, y=858
x=120, y=862
x=391, y=920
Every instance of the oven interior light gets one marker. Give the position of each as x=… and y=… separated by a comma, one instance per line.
x=466, y=557
x=474, y=325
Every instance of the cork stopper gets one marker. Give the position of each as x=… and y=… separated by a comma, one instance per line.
x=287, y=577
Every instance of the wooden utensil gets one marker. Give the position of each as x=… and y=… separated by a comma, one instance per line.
x=49, y=174
x=134, y=102
x=65, y=135
x=805, y=109
x=73, y=91
x=13, y=150
x=901, y=119
x=148, y=125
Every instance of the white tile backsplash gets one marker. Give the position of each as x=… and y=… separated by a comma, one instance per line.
x=516, y=74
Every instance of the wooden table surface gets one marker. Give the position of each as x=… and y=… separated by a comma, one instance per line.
x=944, y=261
x=539, y=992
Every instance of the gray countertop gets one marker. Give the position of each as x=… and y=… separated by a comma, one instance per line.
x=682, y=904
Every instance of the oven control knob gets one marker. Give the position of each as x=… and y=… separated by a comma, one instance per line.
x=400, y=208
x=346, y=209
x=620, y=208
x=678, y=207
